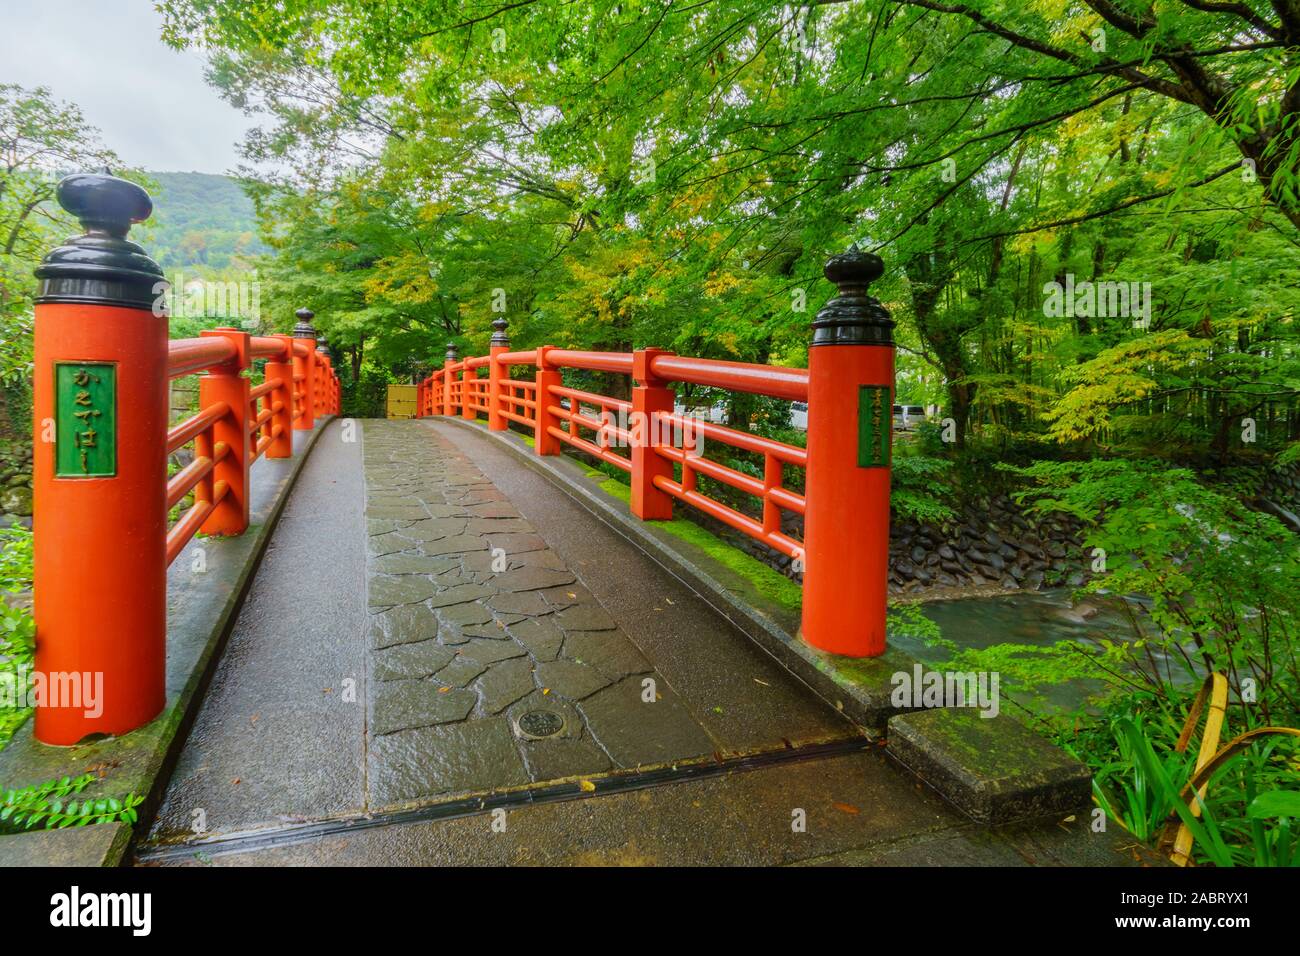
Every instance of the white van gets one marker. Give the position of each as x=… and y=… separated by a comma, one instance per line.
x=907, y=417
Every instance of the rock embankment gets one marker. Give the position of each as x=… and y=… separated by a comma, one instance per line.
x=15, y=484
x=992, y=545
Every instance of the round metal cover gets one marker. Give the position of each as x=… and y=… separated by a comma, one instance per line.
x=540, y=723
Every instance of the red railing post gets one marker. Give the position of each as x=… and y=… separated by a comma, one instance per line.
x=325, y=362
x=318, y=384
x=547, y=377
x=651, y=398
x=305, y=366
x=467, y=378
x=448, y=361
x=850, y=415
x=100, y=471
x=500, y=343
x=281, y=400
x=226, y=383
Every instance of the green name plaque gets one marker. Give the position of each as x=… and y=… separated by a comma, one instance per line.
x=85, y=427
x=875, y=419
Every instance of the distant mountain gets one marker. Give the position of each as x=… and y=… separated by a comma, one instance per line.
x=201, y=220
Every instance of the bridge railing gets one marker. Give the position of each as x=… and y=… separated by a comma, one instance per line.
x=845, y=503
x=239, y=422
x=103, y=364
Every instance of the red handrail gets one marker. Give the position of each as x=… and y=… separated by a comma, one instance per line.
x=774, y=380
x=187, y=356
x=557, y=416
x=105, y=531
x=239, y=422
x=595, y=361
x=268, y=347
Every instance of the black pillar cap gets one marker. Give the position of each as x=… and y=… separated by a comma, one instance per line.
x=304, y=329
x=452, y=354
x=853, y=317
x=102, y=267
x=499, y=334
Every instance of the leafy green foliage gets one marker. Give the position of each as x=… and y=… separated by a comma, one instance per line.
x=15, y=559
x=920, y=489
x=17, y=629
x=201, y=220
x=638, y=174
x=1219, y=577
x=46, y=804
x=1250, y=810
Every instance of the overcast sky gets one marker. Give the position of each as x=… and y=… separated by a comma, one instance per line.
x=150, y=103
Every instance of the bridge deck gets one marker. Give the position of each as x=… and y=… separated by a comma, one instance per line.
x=424, y=605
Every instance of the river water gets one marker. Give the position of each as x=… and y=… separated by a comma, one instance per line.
x=1039, y=618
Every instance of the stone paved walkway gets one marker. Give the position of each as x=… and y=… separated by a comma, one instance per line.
x=412, y=638
x=493, y=665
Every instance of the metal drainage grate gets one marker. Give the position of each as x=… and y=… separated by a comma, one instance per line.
x=536, y=724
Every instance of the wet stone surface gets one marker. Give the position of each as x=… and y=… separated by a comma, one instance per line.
x=475, y=623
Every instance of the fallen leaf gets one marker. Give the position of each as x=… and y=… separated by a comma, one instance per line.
x=763, y=682
x=587, y=786
x=545, y=691
x=443, y=690
x=846, y=808
x=235, y=781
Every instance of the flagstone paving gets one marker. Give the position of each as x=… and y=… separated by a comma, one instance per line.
x=477, y=622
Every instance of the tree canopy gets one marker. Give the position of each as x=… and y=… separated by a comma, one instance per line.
x=627, y=174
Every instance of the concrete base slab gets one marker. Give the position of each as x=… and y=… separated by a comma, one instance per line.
x=854, y=809
x=992, y=768
x=293, y=671
x=103, y=844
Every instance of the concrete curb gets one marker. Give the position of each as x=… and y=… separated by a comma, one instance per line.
x=199, y=619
